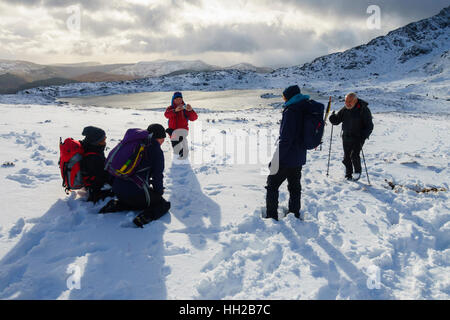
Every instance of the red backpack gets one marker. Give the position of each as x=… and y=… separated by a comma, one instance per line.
x=71, y=153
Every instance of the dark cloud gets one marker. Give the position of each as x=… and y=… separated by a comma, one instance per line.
x=236, y=38
x=404, y=10
x=145, y=27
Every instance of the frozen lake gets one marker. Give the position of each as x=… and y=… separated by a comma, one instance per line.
x=227, y=100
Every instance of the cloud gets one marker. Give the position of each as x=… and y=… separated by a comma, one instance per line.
x=238, y=38
x=407, y=9
x=265, y=32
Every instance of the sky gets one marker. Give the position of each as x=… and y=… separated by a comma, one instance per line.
x=271, y=33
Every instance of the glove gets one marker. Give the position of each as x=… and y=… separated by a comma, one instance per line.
x=332, y=116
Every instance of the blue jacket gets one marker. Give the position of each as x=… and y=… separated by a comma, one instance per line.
x=292, y=153
x=154, y=159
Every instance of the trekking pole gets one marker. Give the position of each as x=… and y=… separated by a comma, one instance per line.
x=367, y=173
x=329, y=152
x=326, y=117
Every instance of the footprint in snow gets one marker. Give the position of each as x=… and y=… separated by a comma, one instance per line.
x=17, y=228
x=30, y=179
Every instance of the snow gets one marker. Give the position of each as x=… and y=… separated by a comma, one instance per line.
x=213, y=244
x=356, y=241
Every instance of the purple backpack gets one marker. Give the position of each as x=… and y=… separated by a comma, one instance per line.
x=125, y=158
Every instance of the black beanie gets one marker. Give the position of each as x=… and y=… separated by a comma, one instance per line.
x=291, y=91
x=158, y=131
x=93, y=135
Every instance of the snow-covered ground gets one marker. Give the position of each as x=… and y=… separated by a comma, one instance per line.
x=357, y=241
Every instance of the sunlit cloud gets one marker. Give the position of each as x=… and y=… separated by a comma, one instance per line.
x=262, y=32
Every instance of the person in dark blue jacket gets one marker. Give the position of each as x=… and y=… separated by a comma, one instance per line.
x=290, y=156
x=131, y=196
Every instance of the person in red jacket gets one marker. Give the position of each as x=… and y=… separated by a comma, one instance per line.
x=179, y=114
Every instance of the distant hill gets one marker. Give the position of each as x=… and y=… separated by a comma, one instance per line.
x=10, y=82
x=79, y=64
x=41, y=75
x=249, y=67
x=45, y=83
x=102, y=76
x=159, y=68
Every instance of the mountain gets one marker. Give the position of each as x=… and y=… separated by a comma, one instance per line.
x=45, y=83
x=96, y=72
x=163, y=67
x=413, y=60
x=406, y=50
x=79, y=64
x=101, y=76
x=10, y=66
x=10, y=82
x=249, y=67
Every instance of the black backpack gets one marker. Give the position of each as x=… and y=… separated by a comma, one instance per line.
x=313, y=124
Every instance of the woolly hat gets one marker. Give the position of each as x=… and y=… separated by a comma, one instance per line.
x=158, y=131
x=93, y=135
x=176, y=95
x=291, y=91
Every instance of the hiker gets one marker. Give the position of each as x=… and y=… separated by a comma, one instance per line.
x=179, y=114
x=93, y=163
x=357, y=126
x=149, y=196
x=291, y=155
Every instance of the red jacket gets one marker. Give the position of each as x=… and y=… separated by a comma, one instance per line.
x=179, y=120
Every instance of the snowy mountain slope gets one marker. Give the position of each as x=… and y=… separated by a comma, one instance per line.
x=213, y=244
x=395, y=55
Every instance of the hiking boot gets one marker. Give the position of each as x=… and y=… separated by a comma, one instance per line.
x=356, y=176
x=274, y=217
x=296, y=214
x=113, y=205
x=141, y=220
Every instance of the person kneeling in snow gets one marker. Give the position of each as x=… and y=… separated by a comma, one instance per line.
x=179, y=114
x=357, y=126
x=93, y=163
x=131, y=196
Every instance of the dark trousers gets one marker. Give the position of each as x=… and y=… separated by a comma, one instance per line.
x=158, y=205
x=293, y=176
x=352, y=159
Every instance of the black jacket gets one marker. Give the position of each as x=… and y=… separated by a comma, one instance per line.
x=356, y=122
x=92, y=166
